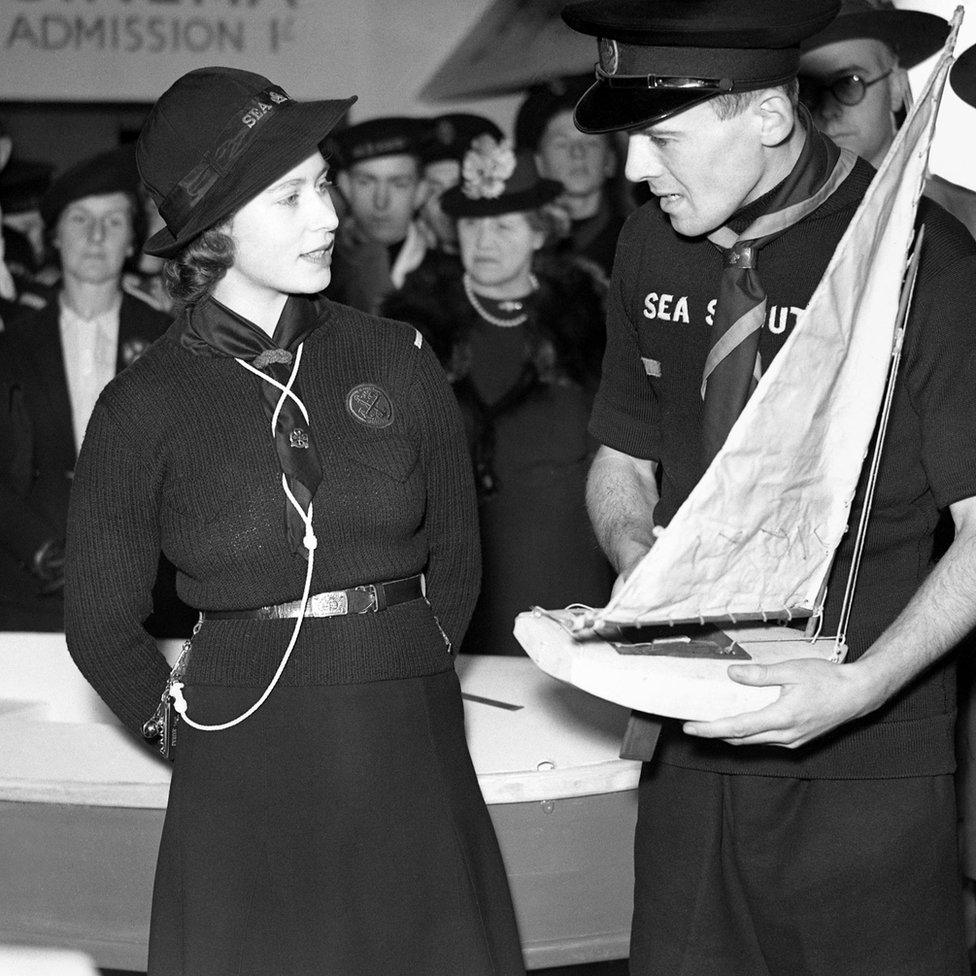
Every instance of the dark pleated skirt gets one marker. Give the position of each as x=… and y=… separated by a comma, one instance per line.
x=339, y=830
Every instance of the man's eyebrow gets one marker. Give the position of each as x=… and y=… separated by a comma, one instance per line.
x=658, y=130
x=841, y=72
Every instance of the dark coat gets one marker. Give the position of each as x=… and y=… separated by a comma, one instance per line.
x=37, y=449
x=565, y=329
x=529, y=444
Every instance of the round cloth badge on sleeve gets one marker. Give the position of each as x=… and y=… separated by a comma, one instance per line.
x=370, y=405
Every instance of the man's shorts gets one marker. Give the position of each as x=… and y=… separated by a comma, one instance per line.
x=771, y=876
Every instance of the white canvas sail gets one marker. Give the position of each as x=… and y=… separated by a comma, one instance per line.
x=756, y=537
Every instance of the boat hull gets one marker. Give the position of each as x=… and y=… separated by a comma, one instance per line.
x=676, y=687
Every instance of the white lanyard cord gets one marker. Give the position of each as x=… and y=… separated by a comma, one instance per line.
x=309, y=541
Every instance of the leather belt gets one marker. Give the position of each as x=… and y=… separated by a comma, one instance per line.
x=370, y=598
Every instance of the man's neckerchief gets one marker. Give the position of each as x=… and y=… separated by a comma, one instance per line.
x=732, y=367
x=212, y=329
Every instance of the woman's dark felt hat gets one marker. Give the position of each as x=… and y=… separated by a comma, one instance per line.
x=660, y=57
x=494, y=180
x=113, y=171
x=911, y=34
x=962, y=77
x=215, y=139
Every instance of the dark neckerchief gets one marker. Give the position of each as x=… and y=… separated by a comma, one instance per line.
x=731, y=367
x=212, y=329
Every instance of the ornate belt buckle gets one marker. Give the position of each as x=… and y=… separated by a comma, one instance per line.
x=332, y=604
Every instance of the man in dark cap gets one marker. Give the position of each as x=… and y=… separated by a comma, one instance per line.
x=53, y=366
x=816, y=835
x=446, y=141
x=584, y=162
x=854, y=79
x=377, y=165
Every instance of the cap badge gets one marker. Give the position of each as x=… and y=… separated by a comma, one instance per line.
x=487, y=165
x=298, y=438
x=370, y=405
x=609, y=56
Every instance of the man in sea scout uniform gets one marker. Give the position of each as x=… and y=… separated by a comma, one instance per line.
x=816, y=835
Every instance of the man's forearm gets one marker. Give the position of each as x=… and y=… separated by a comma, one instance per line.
x=817, y=696
x=621, y=493
x=938, y=616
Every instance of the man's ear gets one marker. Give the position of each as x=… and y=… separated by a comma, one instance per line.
x=342, y=181
x=777, y=117
x=6, y=148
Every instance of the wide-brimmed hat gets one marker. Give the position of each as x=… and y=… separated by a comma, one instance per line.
x=215, y=139
x=660, y=57
x=911, y=34
x=113, y=171
x=962, y=77
x=495, y=180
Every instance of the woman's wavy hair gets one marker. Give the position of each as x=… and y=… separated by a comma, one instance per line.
x=192, y=274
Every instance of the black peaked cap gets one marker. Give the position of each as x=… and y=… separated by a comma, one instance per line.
x=660, y=57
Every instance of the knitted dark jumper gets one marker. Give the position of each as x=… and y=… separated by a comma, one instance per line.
x=178, y=456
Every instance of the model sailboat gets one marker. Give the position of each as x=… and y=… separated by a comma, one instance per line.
x=754, y=542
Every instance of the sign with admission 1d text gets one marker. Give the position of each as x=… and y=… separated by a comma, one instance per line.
x=132, y=50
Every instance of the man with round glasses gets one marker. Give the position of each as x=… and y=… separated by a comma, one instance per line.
x=854, y=80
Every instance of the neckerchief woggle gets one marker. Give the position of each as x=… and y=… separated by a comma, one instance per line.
x=212, y=329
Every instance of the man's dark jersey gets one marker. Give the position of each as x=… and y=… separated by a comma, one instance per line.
x=662, y=298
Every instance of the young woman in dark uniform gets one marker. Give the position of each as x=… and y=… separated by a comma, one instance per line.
x=303, y=466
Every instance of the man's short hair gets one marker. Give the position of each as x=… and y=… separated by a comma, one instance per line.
x=735, y=103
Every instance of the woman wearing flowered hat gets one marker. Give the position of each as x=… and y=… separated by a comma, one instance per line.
x=303, y=466
x=520, y=333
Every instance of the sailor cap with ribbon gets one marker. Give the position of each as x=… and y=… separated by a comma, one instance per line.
x=657, y=58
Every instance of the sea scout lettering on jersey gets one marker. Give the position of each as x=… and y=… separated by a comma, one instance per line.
x=665, y=306
x=674, y=308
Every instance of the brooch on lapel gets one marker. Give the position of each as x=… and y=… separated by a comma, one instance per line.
x=370, y=405
x=132, y=350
